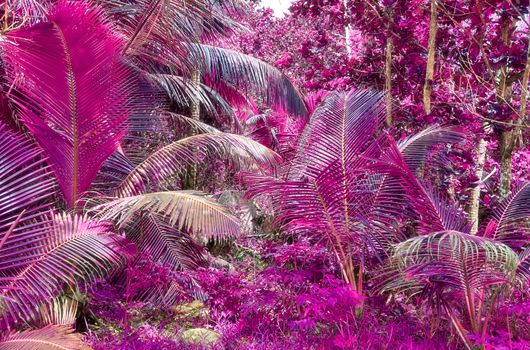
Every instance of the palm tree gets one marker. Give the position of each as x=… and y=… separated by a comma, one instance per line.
x=456, y=273
x=330, y=190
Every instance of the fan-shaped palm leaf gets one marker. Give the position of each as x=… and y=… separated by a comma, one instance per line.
x=48, y=338
x=34, y=266
x=190, y=211
x=177, y=156
x=72, y=90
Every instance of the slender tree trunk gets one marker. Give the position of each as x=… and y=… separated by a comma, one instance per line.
x=195, y=113
x=507, y=139
x=388, y=80
x=5, y=25
x=474, y=201
x=524, y=98
x=506, y=147
x=347, y=30
x=431, y=52
x=195, y=108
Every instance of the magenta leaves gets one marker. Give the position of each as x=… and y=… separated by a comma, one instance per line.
x=72, y=90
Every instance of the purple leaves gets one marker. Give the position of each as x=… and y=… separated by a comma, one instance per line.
x=35, y=265
x=72, y=90
x=26, y=183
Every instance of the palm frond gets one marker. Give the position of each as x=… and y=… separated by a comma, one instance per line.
x=512, y=217
x=249, y=73
x=184, y=94
x=25, y=180
x=80, y=115
x=34, y=266
x=112, y=172
x=28, y=10
x=455, y=266
x=338, y=130
x=61, y=310
x=523, y=269
x=26, y=183
x=165, y=243
x=435, y=211
x=7, y=117
x=148, y=21
x=321, y=207
x=192, y=124
x=177, y=156
x=191, y=211
x=416, y=148
x=48, y=338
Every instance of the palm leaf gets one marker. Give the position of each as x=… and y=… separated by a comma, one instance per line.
x=177, y=156
x=7, y=118
x=48, y=338
x=190, y=211
x=34, y=267
x=27, y=10
x=61, y=310
x=185, y=94
x=456, y=267
x=435, y=211
x=416, y=148
x=223, y=65
x=73, y=96
x=512, y=217
x=339, y=129
x=165, y=243
x=523, y=269
x=192, y=124
x=26, y=182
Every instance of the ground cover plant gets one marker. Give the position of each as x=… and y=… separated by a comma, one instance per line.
x=204, y=175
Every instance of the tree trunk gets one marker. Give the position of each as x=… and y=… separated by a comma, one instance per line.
x=506, y=147
x=388, y=81
x=524, y=99
x=347, y=30
x=507, y=139
x=195, y=108
x=474, y=201
x=195, y=113
x=431, y=52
